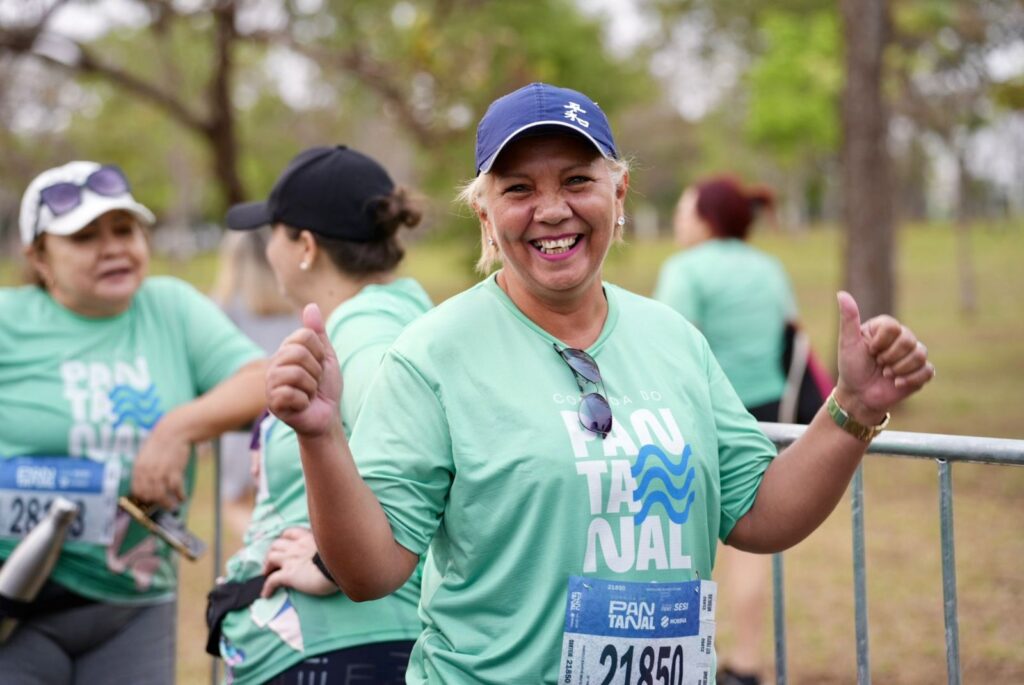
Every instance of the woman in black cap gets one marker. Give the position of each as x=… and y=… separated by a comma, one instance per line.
x=569, y=452
x=334, y=214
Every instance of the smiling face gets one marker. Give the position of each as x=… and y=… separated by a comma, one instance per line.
x=96, y=271
x=551, y=207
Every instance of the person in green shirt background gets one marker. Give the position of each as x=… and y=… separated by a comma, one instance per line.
x=107, y=378
x=741, y=300
x=569, y=452
x=335, y=214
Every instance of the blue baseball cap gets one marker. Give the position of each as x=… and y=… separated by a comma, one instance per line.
x=540, y=106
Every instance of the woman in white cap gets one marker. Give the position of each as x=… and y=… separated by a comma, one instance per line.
x=335, y=215
x=107, y=378
x=569, y=452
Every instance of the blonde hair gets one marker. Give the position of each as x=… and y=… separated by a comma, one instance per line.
x=245, y=273
x=473, y=193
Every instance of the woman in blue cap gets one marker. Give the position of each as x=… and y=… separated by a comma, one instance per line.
x=335, y=214
x=569, y=452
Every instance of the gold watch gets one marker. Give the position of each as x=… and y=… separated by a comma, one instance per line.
x=851, y=425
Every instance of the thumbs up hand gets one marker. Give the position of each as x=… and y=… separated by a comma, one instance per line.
x=303, y=378
x=881, y=362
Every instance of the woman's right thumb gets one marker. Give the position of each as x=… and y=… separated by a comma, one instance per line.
x=313, y=319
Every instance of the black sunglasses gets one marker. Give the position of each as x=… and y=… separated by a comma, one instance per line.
x=61, y=198
x=595, y=413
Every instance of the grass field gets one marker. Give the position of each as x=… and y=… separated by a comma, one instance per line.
x=979, y=390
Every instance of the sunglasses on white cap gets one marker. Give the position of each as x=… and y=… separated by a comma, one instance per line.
x=61, y=198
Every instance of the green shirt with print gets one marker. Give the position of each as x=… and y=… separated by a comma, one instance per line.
x=87, y=392
x=740, y=299
x=273, y=634
x=471, y=440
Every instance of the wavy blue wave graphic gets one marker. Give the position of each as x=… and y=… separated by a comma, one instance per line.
x=126, y=391
x=142, y=408
x=661, y=473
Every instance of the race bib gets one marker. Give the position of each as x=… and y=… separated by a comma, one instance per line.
x=619, y=633
x=28, y=485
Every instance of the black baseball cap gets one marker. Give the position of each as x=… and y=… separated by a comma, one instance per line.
x=326, y=190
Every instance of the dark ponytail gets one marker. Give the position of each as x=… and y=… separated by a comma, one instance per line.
x=385, y=251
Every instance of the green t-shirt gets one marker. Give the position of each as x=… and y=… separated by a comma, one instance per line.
x=273, y=634
x=470, y=439
x=79, y=396
x=740, y=299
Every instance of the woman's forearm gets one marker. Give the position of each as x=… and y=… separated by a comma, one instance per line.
x=352, y=531
x=800, y=488
x=230, y=405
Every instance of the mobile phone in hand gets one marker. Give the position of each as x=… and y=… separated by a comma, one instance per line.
x=166, y=526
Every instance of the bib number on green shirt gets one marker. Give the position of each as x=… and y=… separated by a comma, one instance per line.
x=28, y=486
x=621, y=633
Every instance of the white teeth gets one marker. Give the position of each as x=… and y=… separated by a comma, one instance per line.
x=556, y=246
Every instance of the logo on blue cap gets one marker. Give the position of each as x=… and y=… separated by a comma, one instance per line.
x=540, y=105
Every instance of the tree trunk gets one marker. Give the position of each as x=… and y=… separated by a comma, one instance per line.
x=964, y=252
x=869, y=255
x=221, y=132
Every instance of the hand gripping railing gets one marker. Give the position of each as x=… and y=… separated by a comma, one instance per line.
x=943, y=449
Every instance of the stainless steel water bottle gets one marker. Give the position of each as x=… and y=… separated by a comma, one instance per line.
x=30, y=563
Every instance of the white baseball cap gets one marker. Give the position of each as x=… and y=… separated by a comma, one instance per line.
x=63, y=200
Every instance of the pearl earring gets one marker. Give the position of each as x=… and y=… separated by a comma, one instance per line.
x=304, y=266
x=490, y=241
x=621, y=221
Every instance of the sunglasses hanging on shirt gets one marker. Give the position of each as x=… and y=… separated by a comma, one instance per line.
x=595, y=413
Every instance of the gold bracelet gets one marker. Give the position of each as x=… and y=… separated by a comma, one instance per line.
x=851, y=425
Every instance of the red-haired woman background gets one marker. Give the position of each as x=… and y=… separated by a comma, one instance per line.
x=741, y=299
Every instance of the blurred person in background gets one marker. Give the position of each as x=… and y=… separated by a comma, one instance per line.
x=107, y=379
x=335, y=215
x=741, y=300
x=566, y=449
x=245, y=289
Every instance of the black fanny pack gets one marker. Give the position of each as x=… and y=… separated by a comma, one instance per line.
x=51, y=598
x=224, y=598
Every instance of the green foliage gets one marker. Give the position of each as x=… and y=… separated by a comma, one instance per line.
x=420, y=72
x=1010, y=94
x=794, y=86
x=166, y=161
x=451, y=59
x=142, y=141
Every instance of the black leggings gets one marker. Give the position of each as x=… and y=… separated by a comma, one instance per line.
x=766, y=412
x=381, y=662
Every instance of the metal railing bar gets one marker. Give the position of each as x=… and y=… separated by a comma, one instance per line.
x=949, y=574
x=952, y=448
x=779, y=618
x=860, y=580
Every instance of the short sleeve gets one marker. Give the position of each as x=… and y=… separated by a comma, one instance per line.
x=402, y=446
x=357, y=370
x=744, y=452
x=675, y=289
x=216, y=347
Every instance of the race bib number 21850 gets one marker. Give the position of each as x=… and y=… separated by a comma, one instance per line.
x=619, y=633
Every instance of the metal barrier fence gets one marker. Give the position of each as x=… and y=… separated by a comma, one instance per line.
x=944, y=449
